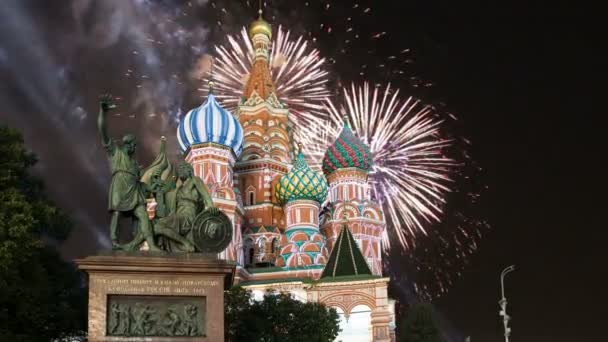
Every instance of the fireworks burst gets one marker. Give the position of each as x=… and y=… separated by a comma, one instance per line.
x=296, y=68
x=416, y=168
x=411, y=173
x=421, y=171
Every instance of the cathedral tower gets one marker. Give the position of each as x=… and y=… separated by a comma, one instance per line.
x=302, y=191
x=346, y=165
x=266, y=153
x=211, y=139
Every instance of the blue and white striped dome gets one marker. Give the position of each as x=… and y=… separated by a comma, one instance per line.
x=210, y=123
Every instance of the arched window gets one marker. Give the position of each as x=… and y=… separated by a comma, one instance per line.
x=250, y=195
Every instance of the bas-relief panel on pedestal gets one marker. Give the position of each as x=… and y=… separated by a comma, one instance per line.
x=151, y=316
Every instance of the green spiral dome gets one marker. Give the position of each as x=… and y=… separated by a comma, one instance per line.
x=301, y=183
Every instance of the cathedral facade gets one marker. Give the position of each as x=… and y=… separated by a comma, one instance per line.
x=314, y=234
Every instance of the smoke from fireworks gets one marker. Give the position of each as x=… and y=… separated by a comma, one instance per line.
x=297, y=72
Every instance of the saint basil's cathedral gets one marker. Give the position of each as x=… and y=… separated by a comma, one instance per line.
x=317, y=236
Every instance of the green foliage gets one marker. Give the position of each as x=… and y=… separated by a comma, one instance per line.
x=278, y=317
x=40, y=294
x=419, y=325
x=240, y=321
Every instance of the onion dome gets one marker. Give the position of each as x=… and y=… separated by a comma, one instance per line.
x=260, y=26
x=210, y=123
x=347, y=151
x=301, y=183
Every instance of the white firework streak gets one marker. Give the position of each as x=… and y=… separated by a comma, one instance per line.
x=411, y=175
x=296, y=68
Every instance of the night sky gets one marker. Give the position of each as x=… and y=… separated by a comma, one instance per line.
x=523, y=79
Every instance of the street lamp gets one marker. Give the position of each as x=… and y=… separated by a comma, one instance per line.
x=503, y=301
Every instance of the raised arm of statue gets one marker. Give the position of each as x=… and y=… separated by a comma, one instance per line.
x=105, y=105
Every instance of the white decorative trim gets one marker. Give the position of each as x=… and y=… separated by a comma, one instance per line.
x=265, y=160
x=252, y=143
x=253, y=100
x=258, y=206
x=224, y=201
x=251, y=109
x=274, y=101
x=207, y=149
x=353, y=282
x=302, y=204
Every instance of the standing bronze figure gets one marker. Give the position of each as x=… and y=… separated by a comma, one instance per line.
x=127, y=192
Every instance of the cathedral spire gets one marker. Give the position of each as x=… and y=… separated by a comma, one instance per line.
x=346, y=258
x=260, y=80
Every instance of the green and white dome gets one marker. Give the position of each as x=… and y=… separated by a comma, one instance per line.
x=301, y=183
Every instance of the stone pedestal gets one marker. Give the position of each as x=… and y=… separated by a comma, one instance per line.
x=144, y=296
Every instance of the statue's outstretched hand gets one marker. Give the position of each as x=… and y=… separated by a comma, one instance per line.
x=105, y=102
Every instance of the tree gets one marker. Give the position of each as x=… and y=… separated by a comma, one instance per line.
x=419, y=325
x=240, y=322
x=278, y=317
x=41, y=297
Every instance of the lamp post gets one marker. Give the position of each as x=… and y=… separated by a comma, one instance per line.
x=503, y=302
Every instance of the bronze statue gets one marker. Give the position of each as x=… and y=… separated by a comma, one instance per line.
x=185, y=219
x=178, y=208
x=127, y=192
